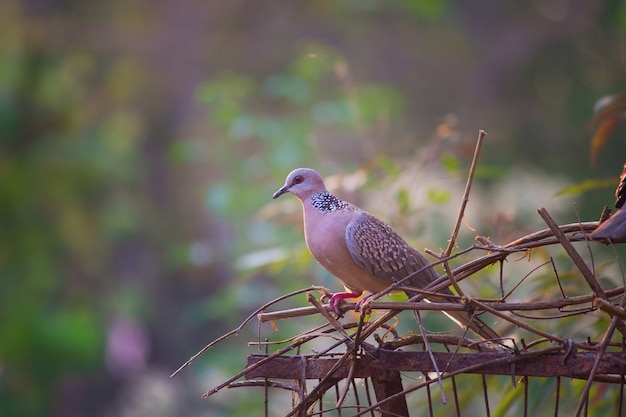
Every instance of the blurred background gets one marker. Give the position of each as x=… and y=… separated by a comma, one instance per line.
x=140, y=144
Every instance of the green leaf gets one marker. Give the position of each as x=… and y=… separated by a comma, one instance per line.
x=587, y=185
x=288, y=87
x=438, y=196
x=379, y=103
x=450, y=163
x=490, y=172
x=404, y=200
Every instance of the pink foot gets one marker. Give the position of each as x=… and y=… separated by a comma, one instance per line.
x=337, y=298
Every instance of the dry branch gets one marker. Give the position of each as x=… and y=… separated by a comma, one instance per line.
x=381, y=365
x=558, y=304
x=363, y=360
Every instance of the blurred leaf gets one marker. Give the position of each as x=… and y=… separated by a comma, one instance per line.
x=427, y=8
x=379, y=103
x=315, y=62
x=294, y=89
x=225, y=94
x=243, y=126
x=438, y=196
x=120, y=217
x=620, y=18
x=125, y=80
x=490, y=172
x=261, y=258
x=609, y=105
x=218, y=198
x=122, y=132
x=600, y=136
x=584, y=186
x=403, y=198
x=390, y=166
x=54, y=343
x=74, y=337
x=450, y=163
x=185, y=151
x=338, y=112
x=227, y=86
x=608, y=111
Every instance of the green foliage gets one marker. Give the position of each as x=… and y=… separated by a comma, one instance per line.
x=587, y=185
x=403, y=199
x=433, y=9
x=438, y=196
x=490, y=172
x=450, y=163
x=379, y=103
x=65, y=175
x=300, y=103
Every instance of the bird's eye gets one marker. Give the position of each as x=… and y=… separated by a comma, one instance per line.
x=298, y=179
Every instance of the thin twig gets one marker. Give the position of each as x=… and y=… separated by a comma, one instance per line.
x=318, y=306
x=263, y=383
x=578, y=261
x=603, y=346
x=514, y=321
x=256, y=365
x=573, y=253
x=357, y=343
x=346, y=387
x=610, y=309
x=238, y=329
x=457, y=226
x=430, y=355
x=468, y=187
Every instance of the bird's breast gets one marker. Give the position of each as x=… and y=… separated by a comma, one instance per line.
x=326, y=239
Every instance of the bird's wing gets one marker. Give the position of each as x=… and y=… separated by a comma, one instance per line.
x=378, y=249
x=614, y=228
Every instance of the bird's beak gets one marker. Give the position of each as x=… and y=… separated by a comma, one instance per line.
x=281, y=192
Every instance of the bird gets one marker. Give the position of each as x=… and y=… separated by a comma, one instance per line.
x=363, y=251
x=614, y=228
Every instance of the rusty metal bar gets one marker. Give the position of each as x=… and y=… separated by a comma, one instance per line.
x=388, y=363
x=384, y=389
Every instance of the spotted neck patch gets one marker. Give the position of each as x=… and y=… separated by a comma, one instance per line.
x=325, y=202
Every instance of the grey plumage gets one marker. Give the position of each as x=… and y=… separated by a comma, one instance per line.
x=380, y=251
x=364, y=252
x=613, y=229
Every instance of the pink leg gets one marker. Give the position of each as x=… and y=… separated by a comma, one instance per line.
x=338, y=297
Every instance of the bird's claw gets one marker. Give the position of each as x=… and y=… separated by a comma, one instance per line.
x=337, y=298
x=363, y=306
x=334, y=302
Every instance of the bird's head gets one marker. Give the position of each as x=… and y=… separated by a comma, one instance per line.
x=302, y=183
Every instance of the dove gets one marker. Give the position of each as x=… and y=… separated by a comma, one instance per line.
x=363, y=251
